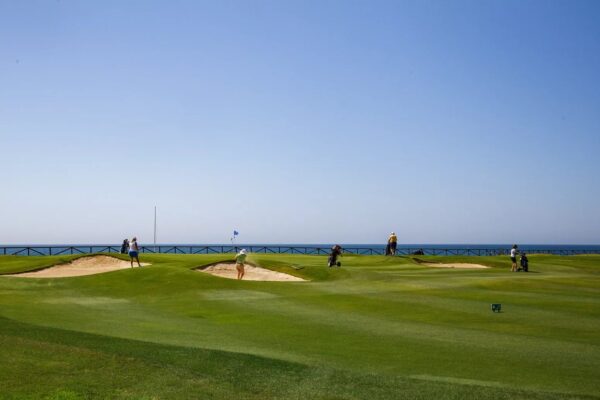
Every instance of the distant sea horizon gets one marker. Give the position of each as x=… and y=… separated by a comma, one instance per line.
x=312, y=248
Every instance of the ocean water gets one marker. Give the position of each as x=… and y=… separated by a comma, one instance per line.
x=323, y=248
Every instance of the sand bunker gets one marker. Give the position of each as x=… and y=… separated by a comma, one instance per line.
x=227, y=270
x=80, y=267
x=455, y=265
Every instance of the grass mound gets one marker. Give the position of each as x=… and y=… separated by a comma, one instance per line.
x=71, y=365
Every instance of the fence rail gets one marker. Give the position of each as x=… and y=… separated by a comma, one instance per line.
x=309, y=250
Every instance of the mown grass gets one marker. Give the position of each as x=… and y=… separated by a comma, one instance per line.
x=378, y=327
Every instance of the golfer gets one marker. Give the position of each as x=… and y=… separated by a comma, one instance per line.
x=239, y=263
x=513, y=257
x=392, y=243
x=134, y=250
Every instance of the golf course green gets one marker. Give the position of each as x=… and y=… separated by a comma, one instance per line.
x=376, y=328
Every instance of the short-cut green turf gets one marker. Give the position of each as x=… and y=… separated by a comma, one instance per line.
x=377, y=328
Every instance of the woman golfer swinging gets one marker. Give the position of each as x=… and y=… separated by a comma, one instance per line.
x=239, y=263
x=134, y=250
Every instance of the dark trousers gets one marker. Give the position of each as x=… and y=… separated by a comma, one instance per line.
x=393, y=248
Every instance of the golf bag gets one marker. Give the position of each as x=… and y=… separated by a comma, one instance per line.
x=335, y=252
x=524, y=264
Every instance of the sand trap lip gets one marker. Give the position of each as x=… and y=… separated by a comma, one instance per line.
x=252, y=273
x=82, y=266
x=455, y=265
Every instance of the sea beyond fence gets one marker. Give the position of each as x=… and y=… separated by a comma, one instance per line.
x=309, y=249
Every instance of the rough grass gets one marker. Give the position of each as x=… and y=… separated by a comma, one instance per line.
x=377, y=328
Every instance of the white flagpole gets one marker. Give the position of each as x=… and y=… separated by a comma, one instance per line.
x=155, y=229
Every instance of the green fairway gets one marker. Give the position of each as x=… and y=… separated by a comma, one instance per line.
x=377, y=328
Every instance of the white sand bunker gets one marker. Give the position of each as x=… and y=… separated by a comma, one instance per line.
x=80, y=267
x=455, y=265
x=227, y=270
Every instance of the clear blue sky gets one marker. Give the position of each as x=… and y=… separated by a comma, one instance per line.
x=309, y=121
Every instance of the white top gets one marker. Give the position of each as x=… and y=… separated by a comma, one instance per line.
x=513, y=253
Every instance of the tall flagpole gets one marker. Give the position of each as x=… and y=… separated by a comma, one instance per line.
x=155, y=229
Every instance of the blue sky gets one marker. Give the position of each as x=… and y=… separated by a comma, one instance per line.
x=304, y=122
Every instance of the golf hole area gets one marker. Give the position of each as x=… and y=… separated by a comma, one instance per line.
x=251, y=273
x=89, y=265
